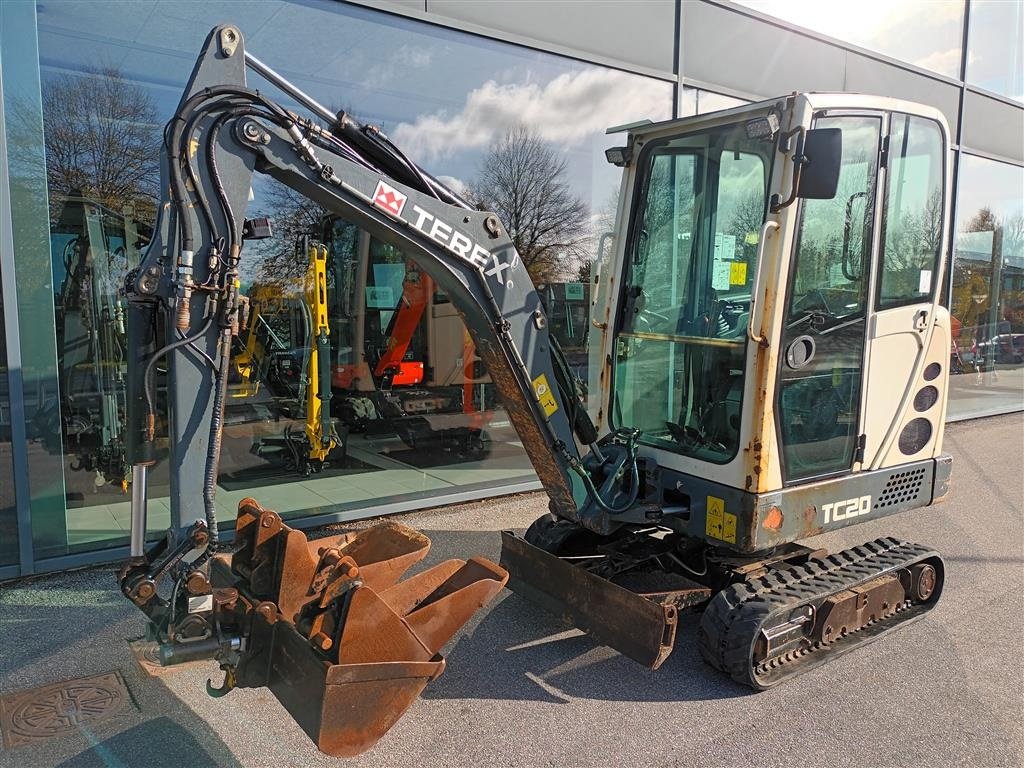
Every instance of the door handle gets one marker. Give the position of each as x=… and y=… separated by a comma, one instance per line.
x=921, y=320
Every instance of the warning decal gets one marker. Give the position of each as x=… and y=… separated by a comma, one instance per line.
x=719, y=524
x=545, y=396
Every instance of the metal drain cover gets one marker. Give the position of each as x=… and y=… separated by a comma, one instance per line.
x=53, y=710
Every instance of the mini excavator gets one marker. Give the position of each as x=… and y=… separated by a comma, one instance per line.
x=773, y=366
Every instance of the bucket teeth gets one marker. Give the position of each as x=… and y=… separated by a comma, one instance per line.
x=351, y=646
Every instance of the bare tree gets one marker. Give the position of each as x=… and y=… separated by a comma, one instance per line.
x=523, y=180
x=279, y=260
x=983, y=221
x=102, y=139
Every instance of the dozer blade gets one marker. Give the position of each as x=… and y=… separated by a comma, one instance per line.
x=640, y=625
x=342, y=643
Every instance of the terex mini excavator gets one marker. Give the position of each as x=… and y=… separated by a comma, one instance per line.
x=773, y=366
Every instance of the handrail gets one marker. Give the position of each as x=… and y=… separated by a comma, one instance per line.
x=755, y=295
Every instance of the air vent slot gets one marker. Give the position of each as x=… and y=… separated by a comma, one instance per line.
x=902, y=488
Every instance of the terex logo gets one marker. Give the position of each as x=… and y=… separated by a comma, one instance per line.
x=844, y=510
x=461, y=245
x=390, y=199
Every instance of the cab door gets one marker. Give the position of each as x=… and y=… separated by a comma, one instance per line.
x=908, y=333
x=822, y=354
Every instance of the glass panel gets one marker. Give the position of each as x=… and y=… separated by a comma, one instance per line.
x=913, y=213
x=26, y=156
x=679, y=372
x=8, y=511
x=928, y=33
x=697, y=101
x=995, y=47
x=448, y=99
x=823, y=342
x=987, y=297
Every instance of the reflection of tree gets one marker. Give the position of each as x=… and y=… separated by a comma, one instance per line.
x=523, y=180
x=279, y=260
x=911, y=242
x=101, y=138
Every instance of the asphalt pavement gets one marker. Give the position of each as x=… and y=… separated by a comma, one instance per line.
x=523, y=689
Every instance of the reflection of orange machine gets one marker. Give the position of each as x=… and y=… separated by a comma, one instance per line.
x=418, y=376
x=417, y=290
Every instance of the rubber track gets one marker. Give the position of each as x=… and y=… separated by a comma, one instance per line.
x=735, y=615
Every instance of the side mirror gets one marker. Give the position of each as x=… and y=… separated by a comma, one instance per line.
x=821, y=159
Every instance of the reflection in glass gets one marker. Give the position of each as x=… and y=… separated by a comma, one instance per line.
x=927, y=33
x=987, y=296
x=401, y=391
x=8, y=511
x=913, y=214
x=995, y=47
x=679, y=367
x=697, y=101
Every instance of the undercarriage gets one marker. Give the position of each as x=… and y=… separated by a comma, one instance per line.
x=766, y=617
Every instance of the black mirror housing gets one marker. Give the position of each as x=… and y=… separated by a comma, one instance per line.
x=821, y=160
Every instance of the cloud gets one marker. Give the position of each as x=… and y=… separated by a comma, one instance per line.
x=943, y=61
x=567, y=110
x=398, y=65
x=458, y=186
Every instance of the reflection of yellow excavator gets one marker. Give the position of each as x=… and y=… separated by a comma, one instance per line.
x=252, y=362
x=748, y=399
x=320, y=439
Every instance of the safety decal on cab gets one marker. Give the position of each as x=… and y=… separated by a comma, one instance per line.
x=719, y=524
x=545, y=396
x=390, y=199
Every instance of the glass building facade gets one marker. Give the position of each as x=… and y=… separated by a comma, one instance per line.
x=87, y=87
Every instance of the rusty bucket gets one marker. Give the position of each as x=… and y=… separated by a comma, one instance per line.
x=343, y=643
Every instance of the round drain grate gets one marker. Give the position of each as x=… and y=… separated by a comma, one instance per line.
x=54, y=710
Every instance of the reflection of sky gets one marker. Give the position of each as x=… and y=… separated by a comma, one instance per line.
x=1000, y=188
x=996, y=47
x=927, y=33
x=457, y=90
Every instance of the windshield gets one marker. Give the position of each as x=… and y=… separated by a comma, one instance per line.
x=691, y=262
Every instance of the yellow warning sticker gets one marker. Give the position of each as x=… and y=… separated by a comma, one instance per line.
x=738, y=273
x=714, y=521
x=545, y=396
x=729, y=528
x=719, y=524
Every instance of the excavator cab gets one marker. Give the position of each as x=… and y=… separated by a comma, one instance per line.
x=773, y=316
x=772, y=336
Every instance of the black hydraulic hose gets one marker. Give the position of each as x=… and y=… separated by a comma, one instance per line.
x=147, y=378
x=234, y=230
x=216, y=439
x=593, y=492
x=174, y=144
